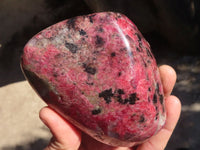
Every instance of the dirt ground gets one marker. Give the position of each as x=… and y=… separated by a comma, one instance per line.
x=20, y=126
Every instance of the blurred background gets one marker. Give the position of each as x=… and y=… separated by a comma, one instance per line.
x=172, y=28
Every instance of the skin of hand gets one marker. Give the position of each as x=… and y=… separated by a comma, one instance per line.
x=67, y=137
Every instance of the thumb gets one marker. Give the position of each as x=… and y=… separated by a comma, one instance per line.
x=65, y=136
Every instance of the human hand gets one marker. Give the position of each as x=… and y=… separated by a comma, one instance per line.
x=67, y=137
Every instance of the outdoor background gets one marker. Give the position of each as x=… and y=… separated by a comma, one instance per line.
x=172, y=28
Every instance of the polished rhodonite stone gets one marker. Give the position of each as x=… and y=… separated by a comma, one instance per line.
x=98, y=72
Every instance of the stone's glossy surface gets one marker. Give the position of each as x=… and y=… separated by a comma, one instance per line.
x=99, y=73
x=171, y=20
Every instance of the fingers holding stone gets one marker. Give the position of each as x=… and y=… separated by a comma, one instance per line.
x=168, y=78
x=64, y=134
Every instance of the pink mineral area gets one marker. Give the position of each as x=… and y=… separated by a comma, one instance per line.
x=99, y=73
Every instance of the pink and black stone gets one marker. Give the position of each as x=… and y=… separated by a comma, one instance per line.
x=99, y=73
